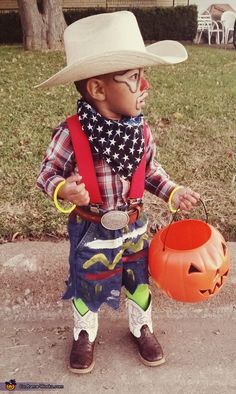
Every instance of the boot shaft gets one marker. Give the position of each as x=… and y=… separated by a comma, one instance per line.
x=87, y=322
x=138, y=317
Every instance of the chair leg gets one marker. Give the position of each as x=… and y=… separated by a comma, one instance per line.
x=226, y=36
x=198, y=37
x=223, y=37
x=209, y=37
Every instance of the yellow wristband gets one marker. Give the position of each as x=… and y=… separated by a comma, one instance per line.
x=61, y=209
x=172, y=209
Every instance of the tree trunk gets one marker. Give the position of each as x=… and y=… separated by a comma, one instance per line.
x=42, y=23
x=234, y=35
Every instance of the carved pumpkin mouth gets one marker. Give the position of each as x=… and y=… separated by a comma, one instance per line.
x=219, y=279
x=217, y=286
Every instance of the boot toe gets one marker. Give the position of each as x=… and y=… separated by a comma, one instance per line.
x=80, y=367
x=81, y=357
x=152, y=357
x=150, y=350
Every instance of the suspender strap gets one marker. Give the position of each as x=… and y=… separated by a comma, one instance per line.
x=84, y=159
x=138, y=179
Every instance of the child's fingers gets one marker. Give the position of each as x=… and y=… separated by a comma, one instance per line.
x=189, y=195
x=188, y=200
x=193, y=195
x=80, y=195
x=79, y=188
x=74, y=178
x=185, y=205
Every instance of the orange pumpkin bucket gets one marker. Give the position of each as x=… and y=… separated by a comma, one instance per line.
x=189, y=260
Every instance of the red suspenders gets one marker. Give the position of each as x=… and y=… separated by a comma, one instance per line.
x=84, y=159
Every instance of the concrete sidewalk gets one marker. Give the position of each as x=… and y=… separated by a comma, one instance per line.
x=199, y=340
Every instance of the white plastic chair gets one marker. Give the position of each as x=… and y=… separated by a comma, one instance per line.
x=234, y=35
x=207, y=24
x=227, y=19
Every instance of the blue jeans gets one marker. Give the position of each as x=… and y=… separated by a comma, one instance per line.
x=102, y=260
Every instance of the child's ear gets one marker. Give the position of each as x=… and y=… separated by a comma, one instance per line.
x=96, y=89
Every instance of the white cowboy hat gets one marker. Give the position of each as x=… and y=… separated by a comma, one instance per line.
x=110, y=42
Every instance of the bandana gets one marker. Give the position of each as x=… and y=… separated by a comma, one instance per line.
x=119, y=142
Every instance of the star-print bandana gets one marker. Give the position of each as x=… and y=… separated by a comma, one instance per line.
x=120, y=143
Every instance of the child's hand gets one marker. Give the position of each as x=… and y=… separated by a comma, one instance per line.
x=185, y=199
x=74, y=191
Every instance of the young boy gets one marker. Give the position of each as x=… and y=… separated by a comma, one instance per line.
x=101, y=160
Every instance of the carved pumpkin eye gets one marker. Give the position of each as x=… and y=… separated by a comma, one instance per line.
x=193, y=269
x=224, y=248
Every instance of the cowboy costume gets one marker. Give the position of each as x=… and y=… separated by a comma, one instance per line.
x=116, y=159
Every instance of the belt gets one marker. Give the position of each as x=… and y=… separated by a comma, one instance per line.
x=112, y=220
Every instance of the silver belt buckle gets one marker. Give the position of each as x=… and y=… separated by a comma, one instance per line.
x=115, y=220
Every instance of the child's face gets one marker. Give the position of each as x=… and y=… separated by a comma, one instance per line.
x=125, y=93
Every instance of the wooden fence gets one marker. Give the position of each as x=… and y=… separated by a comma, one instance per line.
x=67, y=4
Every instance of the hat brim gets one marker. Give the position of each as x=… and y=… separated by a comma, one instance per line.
x=160, y=53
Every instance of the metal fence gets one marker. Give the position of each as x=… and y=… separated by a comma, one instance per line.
x=67, y=4
x=122, y=3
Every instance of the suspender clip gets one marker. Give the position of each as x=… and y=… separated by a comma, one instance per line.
x=133, y=202
x=94, y=208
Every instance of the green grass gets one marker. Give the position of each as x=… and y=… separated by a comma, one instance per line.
x=191, y=109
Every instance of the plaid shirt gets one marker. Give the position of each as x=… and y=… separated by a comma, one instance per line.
x=59, y=163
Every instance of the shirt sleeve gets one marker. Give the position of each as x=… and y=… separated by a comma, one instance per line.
x=58, y=163
x=157, y=181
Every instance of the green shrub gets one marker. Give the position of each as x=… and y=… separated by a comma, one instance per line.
x=75, y=14
x=157, y=23
x=10, y=28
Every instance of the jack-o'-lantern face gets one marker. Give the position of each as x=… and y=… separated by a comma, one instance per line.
x=209, y=279
x=192, y=267
x=213, y=280
x=11, y=385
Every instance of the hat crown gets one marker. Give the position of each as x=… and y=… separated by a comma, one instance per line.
x=107, y=43
x=102, y=33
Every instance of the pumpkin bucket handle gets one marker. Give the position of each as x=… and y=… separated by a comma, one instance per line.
x=174, y=219
x=204, y=208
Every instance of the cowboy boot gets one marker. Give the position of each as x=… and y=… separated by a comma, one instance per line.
x=85, y=332
x=140, y=325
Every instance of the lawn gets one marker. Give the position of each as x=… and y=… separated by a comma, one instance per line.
x=191, y=109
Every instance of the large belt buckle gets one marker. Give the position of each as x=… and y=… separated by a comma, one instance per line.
x=115, y=220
